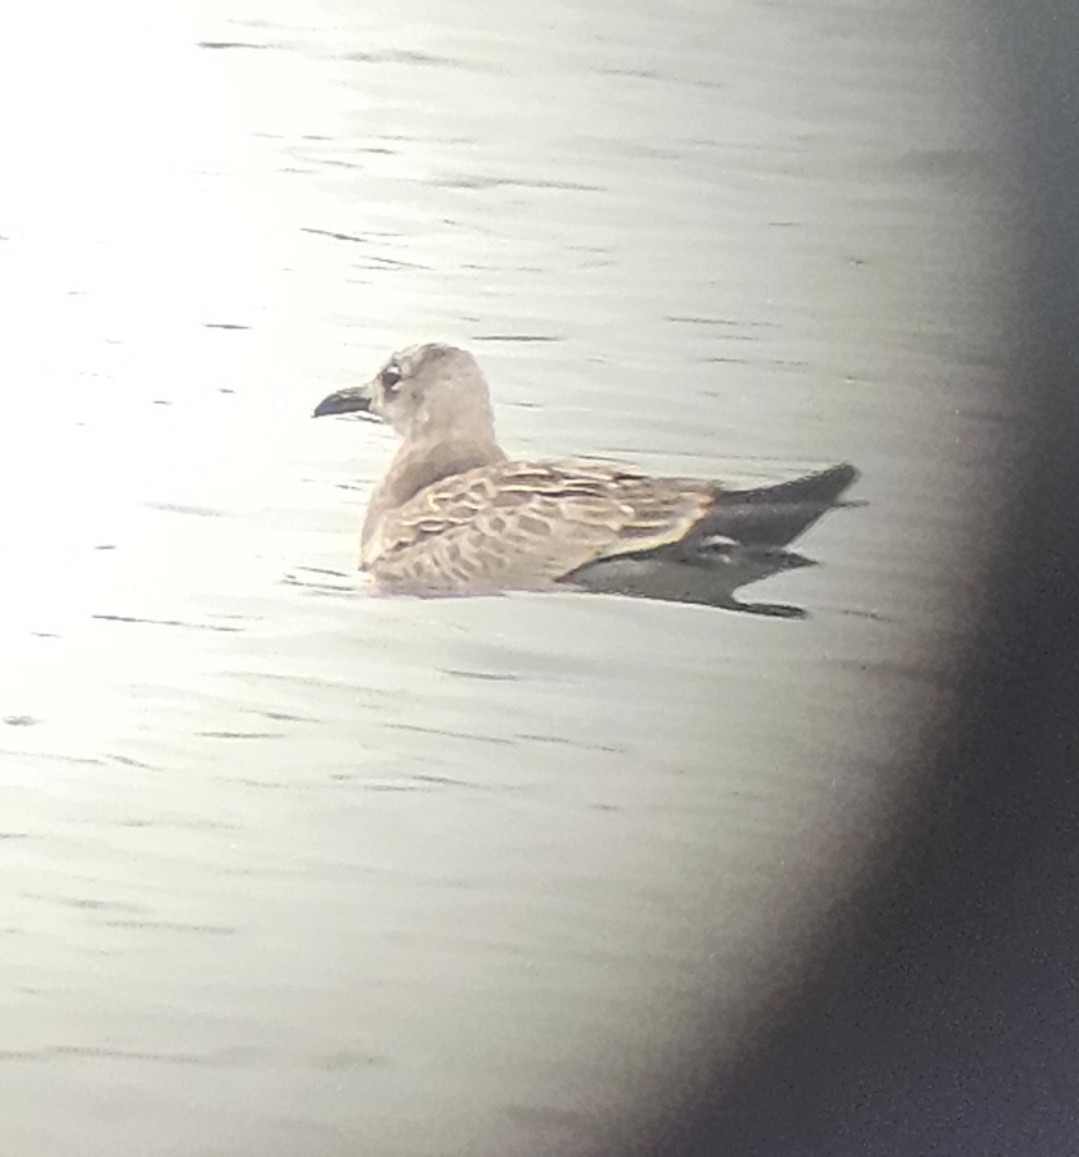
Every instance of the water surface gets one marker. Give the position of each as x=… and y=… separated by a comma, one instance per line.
x=296, y=870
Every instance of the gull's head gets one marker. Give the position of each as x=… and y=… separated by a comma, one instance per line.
x=431, y=390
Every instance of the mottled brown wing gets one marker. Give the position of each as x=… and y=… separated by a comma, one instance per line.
x=524, y=524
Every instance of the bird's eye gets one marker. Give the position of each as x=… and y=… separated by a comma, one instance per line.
x=390, y=377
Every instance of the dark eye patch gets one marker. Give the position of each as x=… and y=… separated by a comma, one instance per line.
x=390, y=377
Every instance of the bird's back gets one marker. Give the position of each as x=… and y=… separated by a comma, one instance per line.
x=530, y=523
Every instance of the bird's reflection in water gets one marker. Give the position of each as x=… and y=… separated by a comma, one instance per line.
x=734, y=566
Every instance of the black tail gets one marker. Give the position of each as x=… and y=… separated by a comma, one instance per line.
x=741, y=540
x=773, y=515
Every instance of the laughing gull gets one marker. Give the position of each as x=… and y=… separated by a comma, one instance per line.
x=453, y=514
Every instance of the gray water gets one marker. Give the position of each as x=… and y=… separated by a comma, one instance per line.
x=292, y=869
